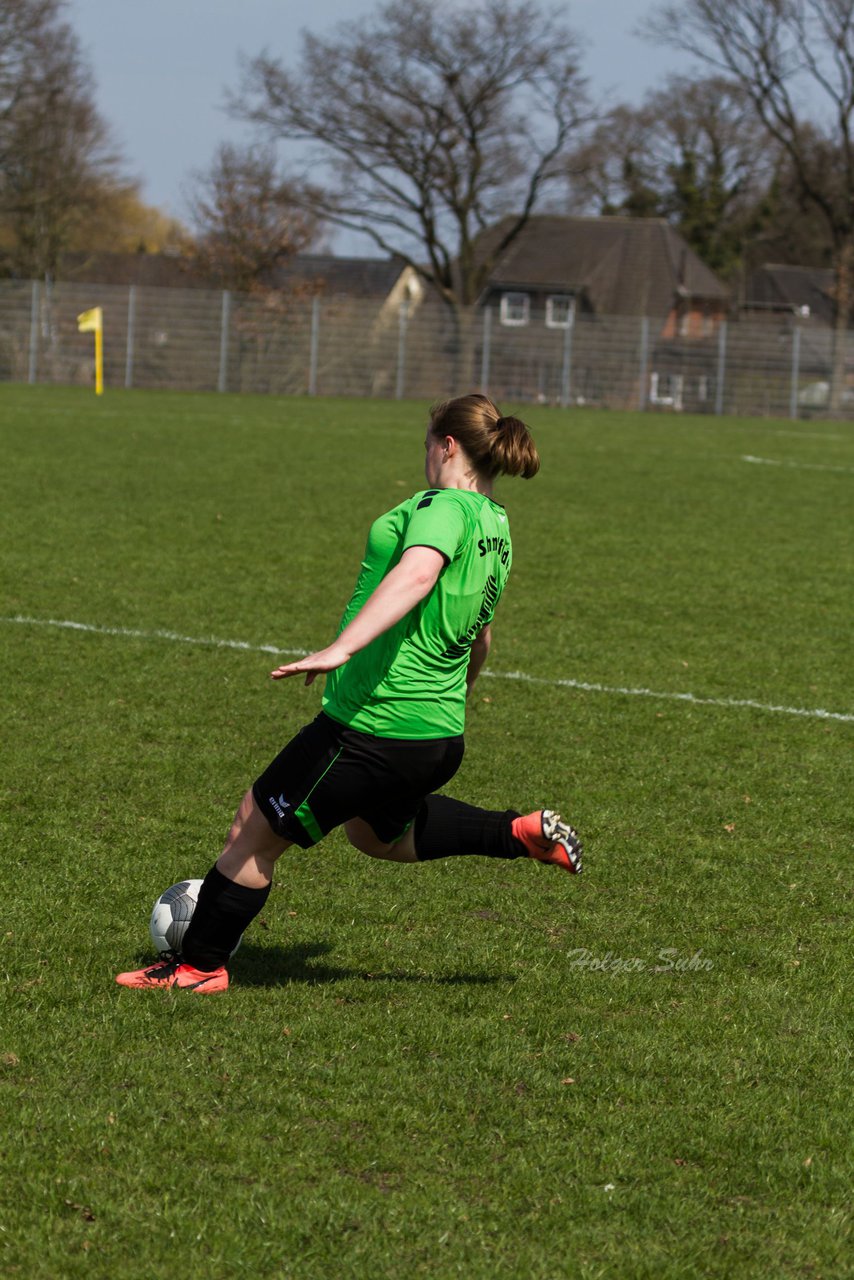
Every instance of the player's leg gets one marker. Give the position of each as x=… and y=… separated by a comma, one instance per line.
x=363, y=837
x=391, y=777
x=402, y=820
x=251, y=848
x=279, y=810
x=236, y=888
x=445, y=827
x=232, y=894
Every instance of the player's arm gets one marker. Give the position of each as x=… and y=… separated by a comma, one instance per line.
x=405, y=586
x=478, y=655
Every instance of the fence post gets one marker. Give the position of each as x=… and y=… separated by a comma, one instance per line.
x=401, y=348
x=719, y=383
x=796, y=370
x=222, y=382
x=486, y=350
x=314, y=346
x=566, y=367
x=644, y=362
x=131, y=336
x=34, y=333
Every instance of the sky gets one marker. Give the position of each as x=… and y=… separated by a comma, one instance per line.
x=161, y=69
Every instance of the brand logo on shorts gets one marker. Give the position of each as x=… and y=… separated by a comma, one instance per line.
x=279, y=805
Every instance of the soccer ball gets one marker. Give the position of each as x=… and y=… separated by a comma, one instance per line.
x=171, y=914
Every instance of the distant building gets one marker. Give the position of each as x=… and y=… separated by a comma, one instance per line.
x=558, y=266
x=806, y=292
x=145, y=270
x=383, y=281
x=802, y=298
x=386, y=282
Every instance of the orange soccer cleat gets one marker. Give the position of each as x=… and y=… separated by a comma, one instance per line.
x=172, y=971
x=549, y=839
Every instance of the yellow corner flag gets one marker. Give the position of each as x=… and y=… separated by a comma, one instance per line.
x=93, y=322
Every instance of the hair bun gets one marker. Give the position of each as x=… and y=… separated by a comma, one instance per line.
x=495, y=444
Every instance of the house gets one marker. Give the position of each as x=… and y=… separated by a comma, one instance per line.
x=356, y=309
x=801, y=302
x=320, y=321
x=143, y=270
x=589, y=310
x=558, y=267
x=805, y=292
x=385, y=282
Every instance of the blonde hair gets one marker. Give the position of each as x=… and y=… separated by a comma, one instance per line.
x=496, y=445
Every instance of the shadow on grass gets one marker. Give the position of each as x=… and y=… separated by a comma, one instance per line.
x=277, y=966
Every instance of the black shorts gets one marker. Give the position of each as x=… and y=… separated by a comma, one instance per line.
x=329, y=773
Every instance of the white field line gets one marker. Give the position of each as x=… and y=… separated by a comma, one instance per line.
x=797, y=466
x=130, y=633
x=801, y=435
x=814, y=713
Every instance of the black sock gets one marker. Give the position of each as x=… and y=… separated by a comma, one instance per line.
x=445, y=828
x=223, y=912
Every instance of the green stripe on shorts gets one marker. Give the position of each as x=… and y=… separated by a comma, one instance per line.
x=304, y=815
x=307, y=819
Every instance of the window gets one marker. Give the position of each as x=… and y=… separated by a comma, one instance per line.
x=560, y=311
x=515, y=308
x=666, y=389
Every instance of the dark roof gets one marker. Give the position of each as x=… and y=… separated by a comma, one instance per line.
x=787, y=288
x=626, y=266
x=349, y=277
x=318, y=273
x=154, y=270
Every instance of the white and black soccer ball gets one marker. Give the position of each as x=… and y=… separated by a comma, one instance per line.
x=171, y=914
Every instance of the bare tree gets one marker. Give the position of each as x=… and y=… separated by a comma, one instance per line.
x=247, y=218
x=24, y=25
x=785, y=54
x=787, y=228
x=56, y=161
x=612, y=170
x=430, y=122
x=693, y=153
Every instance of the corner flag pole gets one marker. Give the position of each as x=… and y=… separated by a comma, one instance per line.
x=93, y=322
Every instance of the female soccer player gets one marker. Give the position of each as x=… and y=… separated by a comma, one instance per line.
x=411, y=644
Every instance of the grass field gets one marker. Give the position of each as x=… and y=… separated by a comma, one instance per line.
x=462, y=1069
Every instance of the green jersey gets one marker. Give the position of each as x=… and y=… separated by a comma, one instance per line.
x=410, y=682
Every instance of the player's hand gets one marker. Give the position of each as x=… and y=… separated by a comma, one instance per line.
x=328, y=659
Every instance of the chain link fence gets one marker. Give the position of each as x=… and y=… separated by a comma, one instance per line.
x=206, y=340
